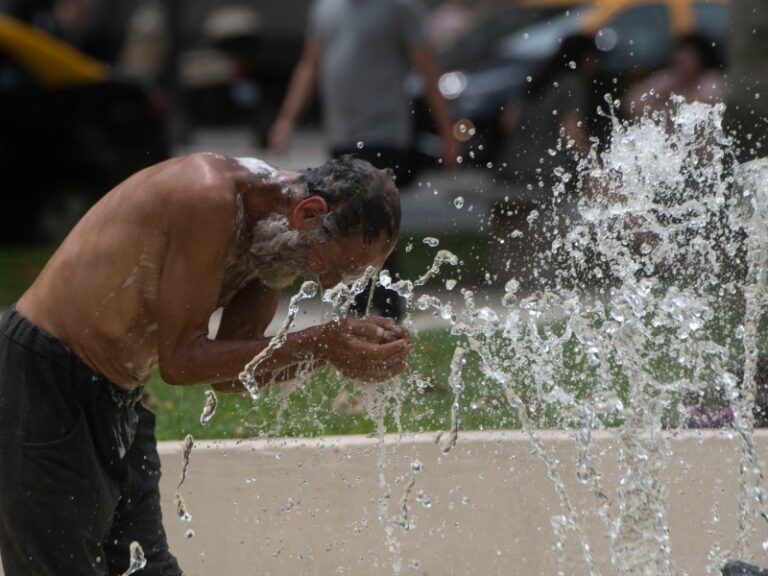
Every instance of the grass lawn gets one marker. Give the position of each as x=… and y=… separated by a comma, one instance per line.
x=326, y=404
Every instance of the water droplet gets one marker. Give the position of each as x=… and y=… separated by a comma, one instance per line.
x=431, y=242
x=572, y=65
x=511, y=286
x=757, y=95
x=529, y=79
x=360, y=144
x=209, y=409
x=181, y=509
x=189, y=534
x=489, y=165
x=408, y=247
x=463, y=128
x=458, y=201
x=450, y=284
x=459, y=159
x=416, y=466
x=525, y=35
x=137, y=559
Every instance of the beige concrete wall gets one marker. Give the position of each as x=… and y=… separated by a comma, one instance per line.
x=311, y=507
x=296, y=507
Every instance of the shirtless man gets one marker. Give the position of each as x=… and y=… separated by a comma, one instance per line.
x=130, y=291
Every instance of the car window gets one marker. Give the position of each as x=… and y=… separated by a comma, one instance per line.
x=480, y=42
x=712, y=21
x=12, y=75
x=636, y=39
x=542, y=40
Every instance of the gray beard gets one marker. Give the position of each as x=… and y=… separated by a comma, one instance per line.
x=278, y=254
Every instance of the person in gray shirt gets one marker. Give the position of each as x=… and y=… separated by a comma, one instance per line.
x=359, y=52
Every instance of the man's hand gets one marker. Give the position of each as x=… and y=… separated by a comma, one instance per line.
x=372, y=349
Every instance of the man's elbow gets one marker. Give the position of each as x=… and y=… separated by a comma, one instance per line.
x=173, y=375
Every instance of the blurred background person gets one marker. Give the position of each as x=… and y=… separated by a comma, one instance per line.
x=360, y=52
x=695, y=73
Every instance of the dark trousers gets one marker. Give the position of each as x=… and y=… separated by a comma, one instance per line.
x=403, y=163
x=79, y=468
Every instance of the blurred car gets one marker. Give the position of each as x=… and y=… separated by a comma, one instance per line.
x=69, y=131
x=497, y=60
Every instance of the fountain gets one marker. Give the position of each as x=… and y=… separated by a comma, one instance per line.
x=648, y=329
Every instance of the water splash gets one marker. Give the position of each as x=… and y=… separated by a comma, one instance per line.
x=209, y=409
x=186, y=451
x=442, y=257
x=247, y=377
x=137, y=559
x=457, y=384
x=181, y=508
x=655, y=301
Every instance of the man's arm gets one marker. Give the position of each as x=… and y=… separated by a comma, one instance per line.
x=424, y=62
x=300, y=90
x=249, y=313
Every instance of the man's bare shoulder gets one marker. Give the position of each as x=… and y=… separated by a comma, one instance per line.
x=201, y=177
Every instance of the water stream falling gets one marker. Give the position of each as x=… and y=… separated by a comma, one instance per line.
x=648, y=322
x=137, y=559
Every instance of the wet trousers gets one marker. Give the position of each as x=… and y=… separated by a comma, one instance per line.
x=79, y=468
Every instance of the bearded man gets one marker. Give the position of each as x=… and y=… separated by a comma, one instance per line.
x=130, y=291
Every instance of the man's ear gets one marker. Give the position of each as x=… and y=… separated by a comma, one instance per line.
x=307, y=213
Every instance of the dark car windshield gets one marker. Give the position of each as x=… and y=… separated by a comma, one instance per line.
x=541, y=40
x=481, y=42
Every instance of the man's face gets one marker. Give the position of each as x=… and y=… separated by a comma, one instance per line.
x=345, y=259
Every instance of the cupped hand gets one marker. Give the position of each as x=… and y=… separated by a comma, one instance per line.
x=371, y=349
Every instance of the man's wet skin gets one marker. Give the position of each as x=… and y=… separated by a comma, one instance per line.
x=132, y=288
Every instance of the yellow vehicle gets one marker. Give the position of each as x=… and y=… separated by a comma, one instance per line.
x=69, y=131
x=683, y=16
x=54, y=63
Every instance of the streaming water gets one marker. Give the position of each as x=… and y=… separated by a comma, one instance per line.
x=137, y=559
x=655, y=306
x=181, y=507
x=643, y=318
x=247, y=377
x=209, y=409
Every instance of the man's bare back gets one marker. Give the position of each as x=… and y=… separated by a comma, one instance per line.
x=133, y=286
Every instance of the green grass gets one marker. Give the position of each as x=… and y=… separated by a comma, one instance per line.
x=326, y=404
